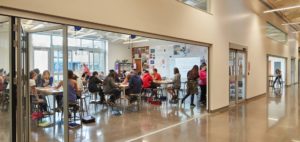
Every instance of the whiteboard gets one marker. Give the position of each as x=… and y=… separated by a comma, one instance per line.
x=185, y=64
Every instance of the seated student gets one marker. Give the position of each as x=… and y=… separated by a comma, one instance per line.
x=176, y=84
x=126, y=81
x=72, y=87
x=156, y=75
x=34, y=95
x=147, y=79
x=39, y=82
x=134, y=87
x=47, y=80
x=94, y=86
x=110, y=87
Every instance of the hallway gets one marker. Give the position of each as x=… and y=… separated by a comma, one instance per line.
x=274, y=118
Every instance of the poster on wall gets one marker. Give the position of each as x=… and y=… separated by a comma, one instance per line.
x=180, y=50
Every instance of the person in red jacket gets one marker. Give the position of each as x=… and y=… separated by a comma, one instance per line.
x=147, y=79
x=202, y=83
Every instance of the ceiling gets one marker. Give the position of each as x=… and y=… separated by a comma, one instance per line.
x=292, y=15
x=83, y=33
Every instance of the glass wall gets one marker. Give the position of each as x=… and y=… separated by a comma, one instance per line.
x=5, y=96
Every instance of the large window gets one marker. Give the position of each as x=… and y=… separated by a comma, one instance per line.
x=276, y=34
x=81, y=51
x=199, y=4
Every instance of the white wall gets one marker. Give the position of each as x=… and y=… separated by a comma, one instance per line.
x=117, y=51
x=236, y=21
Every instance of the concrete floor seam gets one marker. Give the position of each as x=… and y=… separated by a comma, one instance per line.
x=166, y=128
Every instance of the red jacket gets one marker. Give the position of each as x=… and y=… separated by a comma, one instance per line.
x=202, y=76
x=147, y=80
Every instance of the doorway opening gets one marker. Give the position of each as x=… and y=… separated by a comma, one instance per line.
x=276, y=73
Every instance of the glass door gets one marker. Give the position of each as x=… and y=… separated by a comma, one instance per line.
x=5, y=80
x=38, y=115
x=237, y=76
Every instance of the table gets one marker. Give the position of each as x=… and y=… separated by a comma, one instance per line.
x=163, y=83
x=50, y=91
x=123, y=87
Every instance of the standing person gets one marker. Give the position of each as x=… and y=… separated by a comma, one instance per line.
x=278, y=77
x=86, y=69
x=176, y=84
x=110, y=87
x=202, y=83
x=94, y=86
x=156, y=75
x=47, y=80
x=192, y=84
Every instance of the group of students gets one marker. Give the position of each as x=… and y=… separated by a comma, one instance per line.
x=109, y=85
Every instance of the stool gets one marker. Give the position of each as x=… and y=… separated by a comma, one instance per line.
x=73, y=107
x=94, y=97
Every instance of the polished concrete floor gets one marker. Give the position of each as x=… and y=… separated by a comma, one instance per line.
x=273, y=118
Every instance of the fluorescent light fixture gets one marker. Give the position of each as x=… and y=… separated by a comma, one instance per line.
x=273, y=119
x=295, y=23
x=136, y=41
x=37, y=26
x=282, y=9
x=88, y=34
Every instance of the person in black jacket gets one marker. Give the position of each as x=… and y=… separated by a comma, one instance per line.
x=94, y=86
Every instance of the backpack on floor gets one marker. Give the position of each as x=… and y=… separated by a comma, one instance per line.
x=88, y=119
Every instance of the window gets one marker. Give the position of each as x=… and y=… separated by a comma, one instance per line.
x=57, y=40
x=75, y=42
x=86, y=43
x=199, y=4
x=276, y=34
x=41, y=64
x=41, y=40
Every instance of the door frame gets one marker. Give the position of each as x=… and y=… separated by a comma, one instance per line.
x=293, y=80
x=267, y=73
x=241, y=48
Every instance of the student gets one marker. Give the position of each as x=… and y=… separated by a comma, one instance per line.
x=72, y=87
x=84, y=78
x=2, y=80
x=156, y=75
x=202, y=83
x=110, y=87
x=34, y=95
x=135, y=86
x=86, y=69
x=176, y=84
x=94, y=86
x=39, y=82
x=192, y=87
x=147, y=79
x=47, y=80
